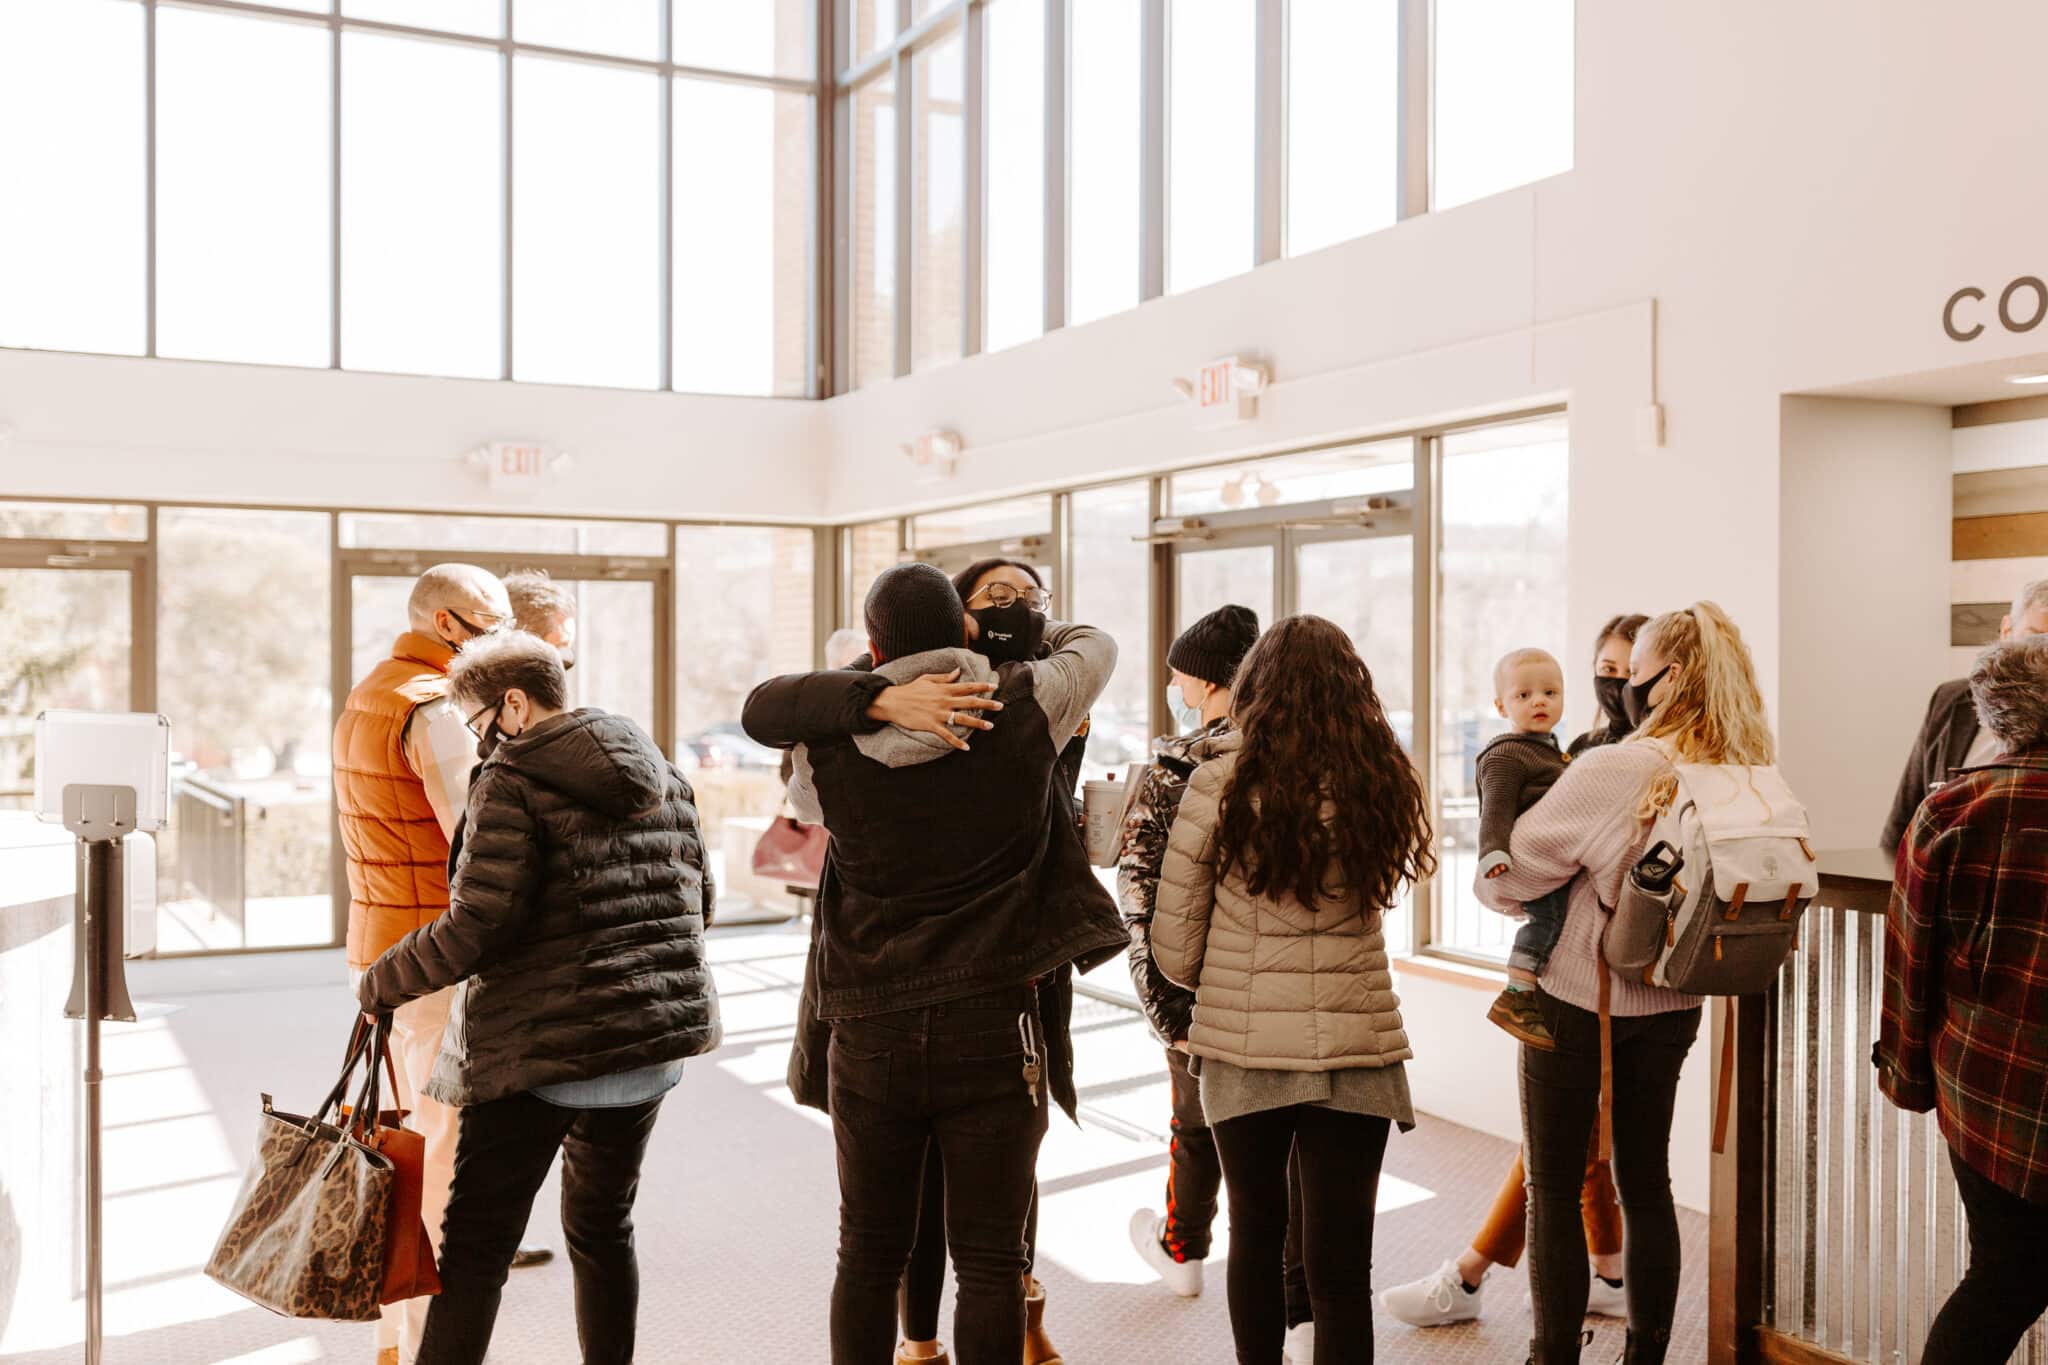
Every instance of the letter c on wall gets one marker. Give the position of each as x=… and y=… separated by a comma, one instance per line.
x=1948, y=315
x=2013, y=324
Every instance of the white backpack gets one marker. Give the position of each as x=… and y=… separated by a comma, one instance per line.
x=1730, y=917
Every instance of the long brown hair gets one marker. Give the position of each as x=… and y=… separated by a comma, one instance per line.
x=1314, y=731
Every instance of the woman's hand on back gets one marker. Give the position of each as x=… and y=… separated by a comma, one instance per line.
x=934, y=704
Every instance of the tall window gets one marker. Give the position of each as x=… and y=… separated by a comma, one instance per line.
x=1103, y=145
x=1112, y=590
x=744, y=612
x=245, y=596
x=586, y=167
x=1503, y=567
x=71, y=145
x=1212, y=123
x=1014, y=224
x=1504, y=90
x=742, y=239
x=873, y=230
x=1343, y=119
x=871, y=547
x=939, y=200
x=266, y=248
x=242, y=203
x=422, y=207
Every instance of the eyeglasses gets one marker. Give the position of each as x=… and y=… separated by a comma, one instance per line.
x=1003, y=595
x=490, y=621
x=471, y=722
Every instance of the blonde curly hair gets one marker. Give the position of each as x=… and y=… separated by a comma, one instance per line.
x=1713, y=711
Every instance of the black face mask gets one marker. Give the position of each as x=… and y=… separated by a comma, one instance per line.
x=1612, y=705
x=1008, y=634
x=1636, y=698
x=487, y=744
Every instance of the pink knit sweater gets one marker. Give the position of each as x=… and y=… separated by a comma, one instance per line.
x=1586, y=823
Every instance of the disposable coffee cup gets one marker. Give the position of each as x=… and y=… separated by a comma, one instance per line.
x=1102, y=806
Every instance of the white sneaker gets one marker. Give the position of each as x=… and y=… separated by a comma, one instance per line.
x=1606, y=1300
x=1182, y=1277
x=1301, y=1345
x=1436, y=1300
x=1603, y=1300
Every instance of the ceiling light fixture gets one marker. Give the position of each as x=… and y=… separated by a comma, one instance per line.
x=2027, y=378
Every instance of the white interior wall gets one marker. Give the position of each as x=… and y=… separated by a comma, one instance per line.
x=115, y=427
x=1866, y=493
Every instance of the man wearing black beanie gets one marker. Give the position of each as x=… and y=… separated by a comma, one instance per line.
x=957, y=885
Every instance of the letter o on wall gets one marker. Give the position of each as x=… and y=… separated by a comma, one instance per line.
x=1948, y=315
x=2013, y=324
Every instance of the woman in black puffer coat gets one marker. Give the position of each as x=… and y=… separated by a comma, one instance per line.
x=576, y=928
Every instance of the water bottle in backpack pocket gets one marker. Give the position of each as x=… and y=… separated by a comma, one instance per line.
x=1744, y=870
x=1645, y=917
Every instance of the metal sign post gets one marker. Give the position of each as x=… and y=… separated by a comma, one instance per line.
x=101, y=817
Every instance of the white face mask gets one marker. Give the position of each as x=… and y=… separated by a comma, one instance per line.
x=1186, y=718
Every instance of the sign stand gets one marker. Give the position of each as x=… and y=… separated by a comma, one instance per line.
x=101, y=817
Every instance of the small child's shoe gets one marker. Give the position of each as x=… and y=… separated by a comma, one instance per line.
x=1518, y=1013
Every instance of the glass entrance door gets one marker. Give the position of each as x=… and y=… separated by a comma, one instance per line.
x=1245, y=571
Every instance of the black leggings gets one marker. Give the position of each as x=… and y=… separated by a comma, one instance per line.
x=924, y=1279
x=1338, y=1158
x=1560, y=1107
x=2004, y=1292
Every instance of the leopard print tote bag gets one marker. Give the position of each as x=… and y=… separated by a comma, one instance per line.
x=306, y=1238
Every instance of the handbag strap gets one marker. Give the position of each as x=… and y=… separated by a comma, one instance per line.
x=359, y=1040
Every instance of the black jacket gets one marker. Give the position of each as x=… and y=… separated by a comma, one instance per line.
x=1941, y=747
x=1069, y=906
x=575, y=922
x=1170, y=1009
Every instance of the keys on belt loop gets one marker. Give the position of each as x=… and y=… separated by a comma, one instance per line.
x=1032, y=1070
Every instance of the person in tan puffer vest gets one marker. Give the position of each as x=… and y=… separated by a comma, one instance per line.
x=1288, y=847
x=402, y=758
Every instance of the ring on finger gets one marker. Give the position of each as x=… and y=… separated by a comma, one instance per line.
x=950, y=715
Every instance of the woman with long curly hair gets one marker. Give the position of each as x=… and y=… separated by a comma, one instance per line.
x=1288, y=848
x=1692, y=697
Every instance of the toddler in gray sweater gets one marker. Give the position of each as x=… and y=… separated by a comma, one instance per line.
x=1512, y=773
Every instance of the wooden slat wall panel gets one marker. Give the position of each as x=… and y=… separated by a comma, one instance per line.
x=2001, y=492
x=2007, y=537
x=2026, y=409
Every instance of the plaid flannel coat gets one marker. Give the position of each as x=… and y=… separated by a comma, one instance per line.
x=1965, y=1028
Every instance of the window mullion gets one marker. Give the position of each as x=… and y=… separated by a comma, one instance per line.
x=1152, y=150
x=906, y=203
x=665, y=201
x=1055, y=199
x=1269, y=142
x=974, y=180
x=1412, y=162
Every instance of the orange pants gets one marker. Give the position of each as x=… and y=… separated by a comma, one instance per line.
x=1506, y=1231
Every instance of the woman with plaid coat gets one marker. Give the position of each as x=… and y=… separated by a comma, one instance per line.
x=1965, y=1029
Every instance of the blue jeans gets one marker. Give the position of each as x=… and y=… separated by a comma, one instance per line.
x=1539, y=932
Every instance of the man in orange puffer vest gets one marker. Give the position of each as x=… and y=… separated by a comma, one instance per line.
x=402, y=757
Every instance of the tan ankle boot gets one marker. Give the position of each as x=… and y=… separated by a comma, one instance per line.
x=387, y=1356
x=904, y=1358
x=1038, y=1350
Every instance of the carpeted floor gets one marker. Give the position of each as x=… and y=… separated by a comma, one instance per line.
x=738, y=1207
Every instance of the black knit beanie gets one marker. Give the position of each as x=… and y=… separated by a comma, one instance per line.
x=1213, y=647
x=912, y=608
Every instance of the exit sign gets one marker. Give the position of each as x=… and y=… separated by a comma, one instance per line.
x=1227, y=392
x=515, y=465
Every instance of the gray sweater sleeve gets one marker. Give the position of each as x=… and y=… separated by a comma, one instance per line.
x=1068, y=683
